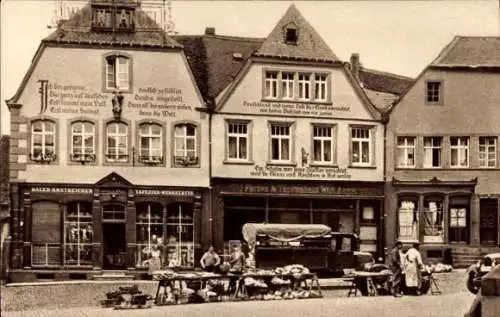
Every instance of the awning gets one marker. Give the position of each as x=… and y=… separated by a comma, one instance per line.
x=283, y=232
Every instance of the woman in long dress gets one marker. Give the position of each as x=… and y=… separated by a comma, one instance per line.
x=412, y=264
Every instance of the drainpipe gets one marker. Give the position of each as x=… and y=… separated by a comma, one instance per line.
x=210, y=192
x=385, y=121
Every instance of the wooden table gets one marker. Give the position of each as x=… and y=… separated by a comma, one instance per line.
x=367, y=278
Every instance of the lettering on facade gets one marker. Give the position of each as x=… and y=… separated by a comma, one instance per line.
x=296, y=109
x=306, y=172
x=72, y=99
x=156, y=192
x=57, y=190
x=304, y=190
x=158, y=102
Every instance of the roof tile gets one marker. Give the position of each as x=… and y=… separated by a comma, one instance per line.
x=470, y=51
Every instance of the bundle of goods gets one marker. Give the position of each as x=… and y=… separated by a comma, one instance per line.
x=264, y=273
x=254, y=287
x=296, y=270
x=213, y=290
x=128, y=297
x=279, y=281
x=438, y=268
x=163, y=274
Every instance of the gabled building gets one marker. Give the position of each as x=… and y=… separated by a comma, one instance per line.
x=442, y=154
x=294, y=136
x=108, y=152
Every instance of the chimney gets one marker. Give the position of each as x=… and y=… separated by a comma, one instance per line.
x=355, y=65
x=210, y=31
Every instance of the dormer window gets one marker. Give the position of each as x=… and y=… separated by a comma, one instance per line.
x=291, y=35
x=110, y=18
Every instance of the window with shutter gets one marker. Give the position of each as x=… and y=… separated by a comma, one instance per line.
x=46, y=233
x=123, y=80
x=117, y=72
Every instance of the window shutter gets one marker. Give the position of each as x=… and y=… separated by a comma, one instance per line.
x=123, y=77
x=110, y=73
x=46, y=228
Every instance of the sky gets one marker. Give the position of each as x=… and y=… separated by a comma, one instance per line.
x=398, y=36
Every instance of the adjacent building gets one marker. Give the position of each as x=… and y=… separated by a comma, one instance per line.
x=107, y=150
x=443, y=156
x=4, y=204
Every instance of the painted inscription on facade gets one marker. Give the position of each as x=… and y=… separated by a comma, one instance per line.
x=307, y=172
x=293, y=109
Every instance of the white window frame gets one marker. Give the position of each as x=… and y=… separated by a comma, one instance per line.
x=320, y=87
x=405, y=147
x=462, y=146
x=117, y=136
x=435, y=92
x=358, y=141
x=154, y=154
x=281, y=138
x=431, y=148
x=83, y=134
x=238, y=136
x=287, y=85
x=322, y=139
x=271, y=81
x=304, y=83
x=183, y=135
x=80, y=221
x=44, y=133
x=485, y=150
x=120, y=72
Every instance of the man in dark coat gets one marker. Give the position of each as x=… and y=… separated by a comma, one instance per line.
x=396, y=268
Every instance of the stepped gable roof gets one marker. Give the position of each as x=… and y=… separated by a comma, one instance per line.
x=470, y=52
x=77, y=30
x=309, y=45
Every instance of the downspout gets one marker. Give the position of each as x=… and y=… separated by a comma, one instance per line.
x=385, y=121
x=211, y=105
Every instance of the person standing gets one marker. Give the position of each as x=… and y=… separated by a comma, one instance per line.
x=413, y=264
x=237, y=261
x=395, y=264
x=210, y=260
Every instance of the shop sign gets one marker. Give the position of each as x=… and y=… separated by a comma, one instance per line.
x=306, y=172
x=309, y=190
x=295, y=109
x=59, y=190
x=157, y=192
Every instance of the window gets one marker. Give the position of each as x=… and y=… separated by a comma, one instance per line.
x=180, y=235
x=287, y=85
x=107, y=18
x=320, y=91
x=487, y=151
x=117, y=72
x=271, y=85
x=433, y=94
x=150, y=143
x=83, y=141
x=323, y=144
x=46, y=234
x=432, y=151
x=291, y=35
x=116, y=142
x=237, y=141
x=458, y=224
x=361, y=146
x=113, y=213
x=280, y=142
x=408, y=220
x=186, y=144
x=43, y=136
x=79, y=234
x=459, y=151
x=433, y=220
x=149, y=230
x=304, y=87
x=406, y=152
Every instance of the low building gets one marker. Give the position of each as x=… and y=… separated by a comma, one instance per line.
x=109, y=151
x=4, y=204
x=442, y=154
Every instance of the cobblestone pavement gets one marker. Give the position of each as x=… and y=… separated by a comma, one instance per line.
x=448, y=305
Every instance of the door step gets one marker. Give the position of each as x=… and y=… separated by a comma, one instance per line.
x=113, y=276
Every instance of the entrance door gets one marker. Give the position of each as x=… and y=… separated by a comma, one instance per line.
x=114, y=246
x=489, y=221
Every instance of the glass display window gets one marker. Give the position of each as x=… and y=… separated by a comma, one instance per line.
x=180, y=235
x=79, y=233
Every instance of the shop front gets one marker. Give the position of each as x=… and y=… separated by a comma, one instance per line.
x=352, y=207
x=75, y=231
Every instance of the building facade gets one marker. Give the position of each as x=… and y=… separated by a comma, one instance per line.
x=442, y=154
x=4, y=204
x=106, y=126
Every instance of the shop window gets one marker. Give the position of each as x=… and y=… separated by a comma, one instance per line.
x=406, y=152
x=320, y=87
x=488, y=152
x=79, y=233
x=180, y=235
x=408, y=219
x=117, y=142
x=291, y=211
x=46, y=234
x=83, y=138
x=281, y=138
x=238, y=141
x=271, y=85
x=361, y=146
x=118, y=72
x=323, y=144
x=458, y=223
x=432, y=151
x=150, y=143
x=186, y=144
x=433, y=220
x=459, y=151
x=43, y=138
x=304, y=86
x=149, y=228
x=433, y=93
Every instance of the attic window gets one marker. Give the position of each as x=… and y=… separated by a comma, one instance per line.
x=237, y=56
x=107, y=18
x=291, y=35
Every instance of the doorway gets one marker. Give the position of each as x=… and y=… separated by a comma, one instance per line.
x=489, y=221
x=114, y=246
